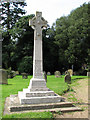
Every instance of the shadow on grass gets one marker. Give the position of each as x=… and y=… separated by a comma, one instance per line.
x=77, y=79
x=68, y=90
x=6, y=84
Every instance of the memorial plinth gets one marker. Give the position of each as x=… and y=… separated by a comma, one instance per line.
x=37, y=92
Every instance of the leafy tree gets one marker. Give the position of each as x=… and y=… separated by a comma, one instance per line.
x=78, y=35
x=50, y=50
x=72, y=38
x=10, y=12
x=62, y=40
x=23, y=35
x=25, y=65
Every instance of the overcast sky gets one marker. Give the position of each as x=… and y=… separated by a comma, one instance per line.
x=52, y=9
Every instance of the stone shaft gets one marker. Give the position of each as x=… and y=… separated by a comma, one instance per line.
x=37, y=24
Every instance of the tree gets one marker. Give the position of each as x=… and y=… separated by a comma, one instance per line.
x=72, y=38
x=10, y=13
x=78, y=35
x=62, y=40
x=23, y=35
x=50, y=50
x=25, y=65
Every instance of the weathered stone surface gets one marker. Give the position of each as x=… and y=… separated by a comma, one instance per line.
x=37, y=23
x=3, y=77
x=70, y=71
x=88, y=73
x=45, y=76
x=48, y=73
x=57, y=74
x=24, y=75
x=37, y=84
x=17, y=72
x=39, y=100
x=37, y=91
x=67, y=79
x=12, y=105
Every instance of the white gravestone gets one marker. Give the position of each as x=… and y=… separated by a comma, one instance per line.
x=37, y=91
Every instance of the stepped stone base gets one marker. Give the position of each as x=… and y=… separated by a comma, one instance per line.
x=38, y=93
x=37, y=97
x=38, y=100
x=12, y=105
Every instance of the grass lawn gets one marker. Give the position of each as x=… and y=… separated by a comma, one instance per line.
x=17, y=84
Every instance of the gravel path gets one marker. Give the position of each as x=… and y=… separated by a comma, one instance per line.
x=79, y=95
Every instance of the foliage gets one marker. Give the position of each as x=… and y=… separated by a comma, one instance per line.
x=25, y=65
x=22, y=33
x=72, y=38
x=50, y=56
x=65, y=44
x=10, y=13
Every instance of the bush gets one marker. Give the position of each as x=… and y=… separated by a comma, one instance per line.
x=25, y=65
x=11, y=73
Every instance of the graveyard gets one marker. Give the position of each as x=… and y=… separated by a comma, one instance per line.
x=44, y=70
x=58, y=86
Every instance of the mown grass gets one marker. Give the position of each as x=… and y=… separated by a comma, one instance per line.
x=30, y=115
x=17, y=84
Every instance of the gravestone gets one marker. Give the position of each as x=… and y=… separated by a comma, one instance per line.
x=70, y=71
x=24, y=75
x=11, y=74
x=17, y=72
x=57, y=74
x=67, y=79
x=48, y=73
x=3, y=76
x=14, y=73
x=88, y=74
x=66, y=72
x=37, y=91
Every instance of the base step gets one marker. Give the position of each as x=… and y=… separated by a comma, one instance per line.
x=38, y=93
x=12, y=105
x=38, y=100
x=62, y=106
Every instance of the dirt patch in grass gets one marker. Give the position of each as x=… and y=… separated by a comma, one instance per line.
x=79, y=96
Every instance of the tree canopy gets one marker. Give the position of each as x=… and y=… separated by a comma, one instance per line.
x=65, y=44
x=72, y=38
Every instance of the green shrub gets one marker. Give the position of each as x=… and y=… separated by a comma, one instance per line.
x=25, y=65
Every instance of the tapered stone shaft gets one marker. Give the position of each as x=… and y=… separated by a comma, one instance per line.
x=37, y=24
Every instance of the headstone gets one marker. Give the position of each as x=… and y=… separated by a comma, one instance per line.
x=66, y=72
x=3, y=76
x=45, y=76
x=57, y=74
x=48, y=73
x=70, y=71
x=37, y=91
x=67, y=79
x=24, y=75
x=11, y=74
x=88, y=73
x=17, y=73
x=14, y=73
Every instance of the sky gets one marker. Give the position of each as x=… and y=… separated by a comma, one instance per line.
x=52, y=9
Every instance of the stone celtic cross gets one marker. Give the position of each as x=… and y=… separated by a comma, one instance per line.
x=37, y=23
x=37, y=91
